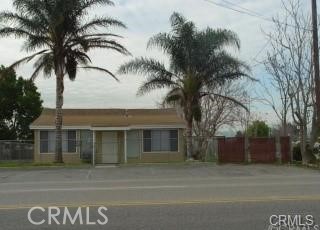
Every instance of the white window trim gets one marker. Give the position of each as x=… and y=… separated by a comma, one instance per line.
x=162, y=152
x=50, y=153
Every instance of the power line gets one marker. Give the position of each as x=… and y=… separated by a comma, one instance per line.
x=239, y=9
x=231, y=8
x=245, y=9
x=248, y=12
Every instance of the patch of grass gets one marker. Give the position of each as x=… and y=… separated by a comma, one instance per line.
x=24, y=165
x=169, y=164
x=309, y=166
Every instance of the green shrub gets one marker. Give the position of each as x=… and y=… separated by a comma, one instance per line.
x=297, y=153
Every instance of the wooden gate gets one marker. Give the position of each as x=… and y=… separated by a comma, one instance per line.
x=262, y=150
x=231, y=150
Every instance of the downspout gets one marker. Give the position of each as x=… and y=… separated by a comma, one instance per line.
x=125, y=146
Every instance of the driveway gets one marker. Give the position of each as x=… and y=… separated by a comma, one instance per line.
x=174, y=196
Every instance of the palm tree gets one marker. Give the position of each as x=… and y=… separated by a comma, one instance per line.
x=60, y=34
x=198, y=62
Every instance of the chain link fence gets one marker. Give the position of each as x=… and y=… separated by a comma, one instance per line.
x=16, y=150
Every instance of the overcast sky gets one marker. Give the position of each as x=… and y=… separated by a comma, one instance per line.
x=145, y=18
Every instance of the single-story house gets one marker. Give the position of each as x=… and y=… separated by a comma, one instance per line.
x=111, y=136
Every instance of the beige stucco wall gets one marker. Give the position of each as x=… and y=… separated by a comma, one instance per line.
x=154, y=157
x=69, y=158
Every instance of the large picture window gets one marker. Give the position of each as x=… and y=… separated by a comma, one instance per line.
x=160, y=140
x=47, y=141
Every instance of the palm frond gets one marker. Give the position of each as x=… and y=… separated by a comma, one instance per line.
x=174, y=96
x=32, y=25
x=219, y=38
x=48, y=24
x=95, y=35
x=211, y=95
x=101, y=70
x=97, y=22
x=26, y=59
x=108, y=44
x=145, y=66
x=17, y=32
x=45, y=64
x=154, y=82
x=161, y=40
x=87, y=4
x=35, y=9
x=177, y=20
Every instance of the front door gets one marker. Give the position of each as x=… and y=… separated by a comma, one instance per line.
x=109, y=147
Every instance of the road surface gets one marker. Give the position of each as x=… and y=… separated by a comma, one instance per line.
x=160, y=197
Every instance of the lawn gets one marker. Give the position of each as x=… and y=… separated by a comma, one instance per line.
x=15, y=164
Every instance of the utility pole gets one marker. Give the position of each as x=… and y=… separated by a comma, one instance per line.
x=316, y=60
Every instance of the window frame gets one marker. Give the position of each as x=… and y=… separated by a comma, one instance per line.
x=67, y=149
x=40, y=142
x=74, y=140
x=160, y=152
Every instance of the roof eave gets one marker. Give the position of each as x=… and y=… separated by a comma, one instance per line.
x=106, y=128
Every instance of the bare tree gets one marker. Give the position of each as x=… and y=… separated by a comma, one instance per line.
x=276, y=94
x=218, y=112
x=290, y=64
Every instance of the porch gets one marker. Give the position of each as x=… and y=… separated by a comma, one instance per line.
x=131, y=146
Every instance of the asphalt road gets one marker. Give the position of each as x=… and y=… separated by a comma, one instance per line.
x=161, y=197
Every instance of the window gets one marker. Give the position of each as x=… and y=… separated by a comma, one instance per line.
x=47, y=141
x=44, y=137
x=160, y=140
x=72, y=141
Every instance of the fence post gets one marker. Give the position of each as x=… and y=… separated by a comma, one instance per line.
x=216, y=148
x=278, y=149
x=247, y=149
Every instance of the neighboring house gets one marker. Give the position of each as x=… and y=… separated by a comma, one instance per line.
x=109, y=136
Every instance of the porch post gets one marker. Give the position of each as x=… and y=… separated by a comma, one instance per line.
x=93, y=147
x=125, y=146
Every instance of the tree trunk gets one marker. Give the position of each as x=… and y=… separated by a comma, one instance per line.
x=284, y=128
x=189, y=140
x=58, y=119
x=314, y=129
x=315, y=49
x=204, y=152
x=303, y=145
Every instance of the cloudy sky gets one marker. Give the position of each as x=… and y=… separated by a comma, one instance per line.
x=145, y=18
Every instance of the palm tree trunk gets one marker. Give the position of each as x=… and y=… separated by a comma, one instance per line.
x=58, y=119
x=189, y=140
